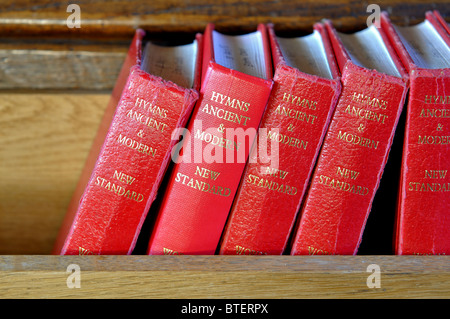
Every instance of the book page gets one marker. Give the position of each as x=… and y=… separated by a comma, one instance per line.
x=172, y=63
x=243, y=53
x=306, y=54
x=367, y=49
x=425, y=45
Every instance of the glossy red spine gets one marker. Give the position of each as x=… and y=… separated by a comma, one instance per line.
x=352, y=159
x=202, y=186
x=270, y=194
x=441, y=20
x=135, y=151
x=423, y=223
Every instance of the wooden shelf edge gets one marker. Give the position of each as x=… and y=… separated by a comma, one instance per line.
x=39, y=276
x=46, y=17
x=322, y=263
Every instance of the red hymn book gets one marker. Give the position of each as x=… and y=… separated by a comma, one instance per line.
x=306, y=89
x=423, y=220
x=357, y=144
x=441, y=20
x=236, y=84
x=154, y=94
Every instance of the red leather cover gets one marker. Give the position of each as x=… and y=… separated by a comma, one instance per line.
x=202, y=186
x=132, y=58
x=441, y=20
x=352, y=159
x=269, y=197
x=130, y=163
x=423, y=221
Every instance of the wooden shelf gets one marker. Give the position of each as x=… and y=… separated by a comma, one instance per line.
x=55, y=83
x=251, y=277
x=120, y=18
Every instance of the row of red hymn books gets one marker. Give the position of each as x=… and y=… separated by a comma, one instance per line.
x=263, y=144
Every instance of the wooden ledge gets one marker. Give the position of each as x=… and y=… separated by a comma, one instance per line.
x=121, y=18
x=225, y=276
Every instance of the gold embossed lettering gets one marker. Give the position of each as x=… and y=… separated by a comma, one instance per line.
x=271, y=185
x=365, y=114
x=295, y=114
x=202, y=185
x=141, y=103
x=369, y=101
x=83, y=251
x=124, y=178
x=437, y=99
x=167, y=251
x=247, y=251
x=357, y=140
x=428, y=187
x=288, y=140
x=316, y=251
x=276, y=172
x=216, y=140
x=138, y=146
x=438, y=113
x=229, y=102
x=347, y=173
x=343, y=186
x=434, y=139
x=431, y=173
x=206, y=173
x=225, y=115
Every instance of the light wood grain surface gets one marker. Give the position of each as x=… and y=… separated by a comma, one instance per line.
x=120, y=18
x=224, y=277
x=39, y=51
x=44, y=140
x=40, y=67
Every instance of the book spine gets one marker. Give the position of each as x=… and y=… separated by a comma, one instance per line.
x=423, y=223
x=271, y=190
x=351, y=163
x=133, y=58
x=207, y=172
x=441, y=20
x=130, y=165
